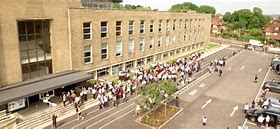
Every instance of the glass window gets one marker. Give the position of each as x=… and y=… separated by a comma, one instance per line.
x=150, y=59
x=165, y=54
x=167, y=25
x=140, y=62
x=158, y=57
x=87, y=30
x=141, y=44
x=104, y=51
x=104, y=29
x=142, y=26
x=131, y=27
x=174, y=24
x=118, y=48
x=87, y=54
x=186, y=22
x=131, y=46
x=151, y=45
x=171, y=53
x=167, y=39
x=129, y=65
x=151, y=25
x=118, y=28
x=159, y=40
x=181, y=23
x=116, y=69
x=103, y=72
x=159, y=25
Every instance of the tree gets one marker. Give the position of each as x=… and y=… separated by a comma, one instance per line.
x=207, y=9
x=227, y=17
x=186, y=6
x=117, y=6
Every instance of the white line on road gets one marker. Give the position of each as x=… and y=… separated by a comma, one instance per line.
x=207, y=102
x=229, y=69
x=202, y=85
x=260, y=70
x=233, y=111
x=242, y=67
x=193, y=92
x=116, y=119
x=107, y=116
x=258, y=93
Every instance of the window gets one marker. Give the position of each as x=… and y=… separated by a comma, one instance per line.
x=171, y=53
x=104, y=29
x=159, y=40
x=178, y=51
x=158, y=57
x=116, y=69
x=180, y=39
x=186, y=22
x=131, y=46
x=173, y=39
x=104, y=51
x=167, y=40
x=129, y=65
x=181, y=23
x=103, y=72
x=159, y=25
x=87, y=54
x=185, y=37
x=165, y=54
x=150, y=59
x=131, y=27
x=142, y=26
x=183, y=49
x=118, y=28
x=151, y=25
x=141, y=44
x=87, y=30
x=167, y=25
x=118, y=48
x=151, y=45
x=140, y=62
x=174, y=24
x=190, y=23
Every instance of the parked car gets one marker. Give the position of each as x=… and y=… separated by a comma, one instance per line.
x=272, y=86
x=274, y=114
x=275, y=63
x=274, y=103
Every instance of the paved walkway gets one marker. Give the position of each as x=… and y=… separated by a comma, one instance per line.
x=42, y=118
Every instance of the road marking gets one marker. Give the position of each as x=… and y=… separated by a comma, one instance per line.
x=246, y=120
x=107, y=116
x=116, y=119
x=242, y=67
x=260, y=70
x=202, y=85
x=229, y=69
x=207, y=102
x=233, y=111
x=193, y=92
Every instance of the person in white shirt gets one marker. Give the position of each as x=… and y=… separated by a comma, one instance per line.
x=267, y=119
x=239, y=126
x=260, y=120
x=204, y=120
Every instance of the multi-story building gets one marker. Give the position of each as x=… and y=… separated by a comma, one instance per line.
x=272, y=31
x=42, y=42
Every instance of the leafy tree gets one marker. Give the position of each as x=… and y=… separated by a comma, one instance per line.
x=186, y=6
x=207, y=9
x=117, y=6
x=227, y=17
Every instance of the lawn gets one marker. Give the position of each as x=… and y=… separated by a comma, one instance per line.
x=212, y=45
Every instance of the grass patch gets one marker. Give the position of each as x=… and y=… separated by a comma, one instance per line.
x=157, y=117
x=212, y=45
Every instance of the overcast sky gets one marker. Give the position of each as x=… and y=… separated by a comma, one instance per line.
x=268, y=6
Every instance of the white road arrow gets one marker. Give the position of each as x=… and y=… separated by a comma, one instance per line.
x=207, y=102
x=242, y=67
x=202, y=85
x=233, y=111
x=192, y=92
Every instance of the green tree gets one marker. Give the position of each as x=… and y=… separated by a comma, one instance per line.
x=186, y=6
x=117, y=6
x=207, y=9
x=227, y=17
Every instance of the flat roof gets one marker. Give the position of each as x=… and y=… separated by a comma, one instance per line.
x=40, y=85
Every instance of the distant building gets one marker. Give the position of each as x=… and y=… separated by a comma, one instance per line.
x=272, y=30
x=217, y=24
x=48, y=45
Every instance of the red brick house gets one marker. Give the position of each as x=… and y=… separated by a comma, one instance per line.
x=217, y=24
x=272, y=31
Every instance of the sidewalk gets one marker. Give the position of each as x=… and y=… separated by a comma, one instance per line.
x=42, y=118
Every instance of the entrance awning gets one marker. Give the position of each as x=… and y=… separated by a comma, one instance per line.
x=39, y=85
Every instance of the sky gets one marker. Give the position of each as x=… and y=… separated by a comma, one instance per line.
x=222, y=6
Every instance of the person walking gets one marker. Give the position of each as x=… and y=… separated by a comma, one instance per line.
x=246, y=108
x=260, y=120
x=267, y=119
x=79, y=113
x=239, y=126
x=54, y=121
x=204, y=120
x=177, y=101
x=256, y=78
x=64, y=99
x=220, y=72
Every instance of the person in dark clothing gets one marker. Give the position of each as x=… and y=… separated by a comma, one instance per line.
x=54, y=121
x=256, y=78
x=220, y=72
x=177, y=101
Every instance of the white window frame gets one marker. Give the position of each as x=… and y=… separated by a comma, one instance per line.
x=159, y=41
x=174, y=24
x=151, y=26
x=142, y=44
x=101, y=54
x=151, y=43
x=167, y=39
x=104, y=31
x=142, y=26
x=131, y=27
x=90, y=56
x=181, y=24
x=160, y=25
x=131, y=46
x=90, y=31
x=119, y=26
x=116, y=68
x=173, y=39
x=118, y=46
x=167, y=25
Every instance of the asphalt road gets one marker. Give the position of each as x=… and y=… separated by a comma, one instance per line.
x=234, y=88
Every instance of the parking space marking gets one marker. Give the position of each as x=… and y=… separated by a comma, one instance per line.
x=193, y=92
x=116, y=119
x=242, y=67
x=202, y=85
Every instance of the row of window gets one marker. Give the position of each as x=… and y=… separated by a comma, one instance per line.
x=87, y=27
x=131, y=46
x=141, y=61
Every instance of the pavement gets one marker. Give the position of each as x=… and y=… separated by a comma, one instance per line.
x=42, y=119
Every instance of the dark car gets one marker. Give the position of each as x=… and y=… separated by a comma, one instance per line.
x=274, y=114
x=272, y=86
